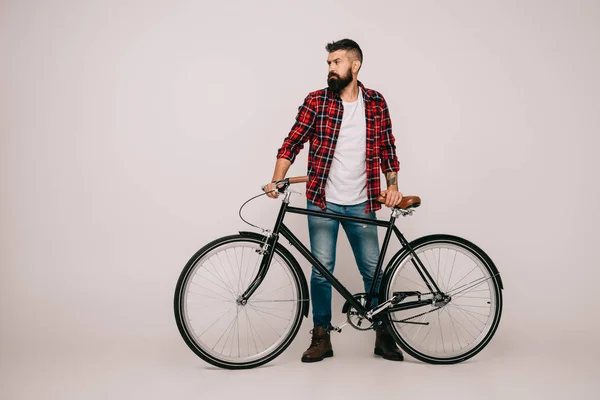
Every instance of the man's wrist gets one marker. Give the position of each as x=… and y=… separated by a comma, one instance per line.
x=391, y=179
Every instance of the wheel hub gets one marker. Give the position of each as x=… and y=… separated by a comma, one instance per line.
x=440, y=300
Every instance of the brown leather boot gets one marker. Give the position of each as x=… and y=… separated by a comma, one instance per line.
x=385, y=346
x=320, y=346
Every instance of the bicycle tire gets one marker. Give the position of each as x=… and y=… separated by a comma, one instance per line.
x=490, y=276
x=252, y=241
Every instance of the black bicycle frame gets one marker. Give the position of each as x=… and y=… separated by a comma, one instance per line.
x=281, y=228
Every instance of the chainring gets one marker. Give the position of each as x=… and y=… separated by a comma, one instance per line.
x=355, y=320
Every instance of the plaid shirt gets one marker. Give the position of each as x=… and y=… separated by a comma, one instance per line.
x=318, y=121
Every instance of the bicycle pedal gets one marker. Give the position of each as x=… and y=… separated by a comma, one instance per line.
x=336, y=329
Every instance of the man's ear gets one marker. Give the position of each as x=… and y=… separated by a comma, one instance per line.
x=356, y=66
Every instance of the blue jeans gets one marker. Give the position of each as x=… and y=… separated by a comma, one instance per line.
x=323, y=234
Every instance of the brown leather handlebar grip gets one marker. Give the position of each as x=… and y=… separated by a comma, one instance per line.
x=298, y=179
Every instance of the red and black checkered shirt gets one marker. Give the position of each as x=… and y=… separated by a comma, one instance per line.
x=318, y=121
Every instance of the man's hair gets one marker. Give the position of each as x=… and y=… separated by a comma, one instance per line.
x=348, y=45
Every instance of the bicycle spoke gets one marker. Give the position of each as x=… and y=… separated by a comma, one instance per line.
x=469, y=311
x=428, y=263
x=196, y=303
x=242, y=266
x=269, y=308
x=452, y=288
x=212, y=291
x=258, y=259
x=217, y=276
x=274, y=290
x=229, y=288
x=470, y=285
x=470, y=316
x=410, y=280
x=438, y=263
x=454, y=330
x=245, y=280
x=420, y=326
x=217, y=320
x=216, y=284
x=261, y=317
x=451, y=269
x=219, y=257
x=463, y=327
x=428, y=332
x=239, y=271
x=469, y=305
x=221, y=298
x=441, y=333
x=265, y=312
x=471, y=297
x=253, y=330
x=223, y=334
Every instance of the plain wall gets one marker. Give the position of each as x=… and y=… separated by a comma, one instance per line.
x=132, y=131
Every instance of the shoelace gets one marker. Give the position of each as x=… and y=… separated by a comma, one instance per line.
x=316, y=340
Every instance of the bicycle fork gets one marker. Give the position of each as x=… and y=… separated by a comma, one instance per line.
x=267, y=249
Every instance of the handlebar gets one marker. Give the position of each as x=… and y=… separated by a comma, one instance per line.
x=407, y=201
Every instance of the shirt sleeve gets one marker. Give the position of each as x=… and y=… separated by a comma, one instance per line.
x=387, y=143
x=300, y=132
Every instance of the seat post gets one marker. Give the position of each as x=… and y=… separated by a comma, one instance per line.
x=395, y=214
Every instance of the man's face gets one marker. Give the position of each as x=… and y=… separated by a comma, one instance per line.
x=340, y=70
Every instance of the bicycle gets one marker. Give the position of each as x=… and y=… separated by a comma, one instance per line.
x=230, y=287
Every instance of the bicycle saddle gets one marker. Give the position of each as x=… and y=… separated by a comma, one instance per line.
x=406, y=203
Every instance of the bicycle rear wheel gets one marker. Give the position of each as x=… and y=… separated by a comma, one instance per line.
x=445, y=333
x=219, y=329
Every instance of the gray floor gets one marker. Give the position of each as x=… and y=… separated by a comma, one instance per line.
x=551, y=369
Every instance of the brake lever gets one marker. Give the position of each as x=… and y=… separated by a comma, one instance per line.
x=283, y=182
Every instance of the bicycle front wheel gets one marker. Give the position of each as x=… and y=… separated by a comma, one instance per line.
x=219, y=329
x=452, y=332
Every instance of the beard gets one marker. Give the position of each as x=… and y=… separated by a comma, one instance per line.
x=337, y=83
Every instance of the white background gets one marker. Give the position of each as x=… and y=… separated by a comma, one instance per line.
x=132, y=131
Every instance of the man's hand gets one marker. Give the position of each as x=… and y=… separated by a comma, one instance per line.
x=281, y=167
x=392, y=196
x=271, y=190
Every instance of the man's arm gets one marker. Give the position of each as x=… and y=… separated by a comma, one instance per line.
x=387, y=143
x=300, y=132
x=293, y=143
x=392, y=195
x=392, y=179
x=389, y=161
x=281, y=167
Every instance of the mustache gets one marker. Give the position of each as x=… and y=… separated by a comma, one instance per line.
x=333, y=74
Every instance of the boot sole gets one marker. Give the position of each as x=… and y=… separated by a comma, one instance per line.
x=379, y=352
x=325, y=355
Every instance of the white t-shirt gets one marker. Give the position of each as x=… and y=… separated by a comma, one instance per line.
x=347, y=180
